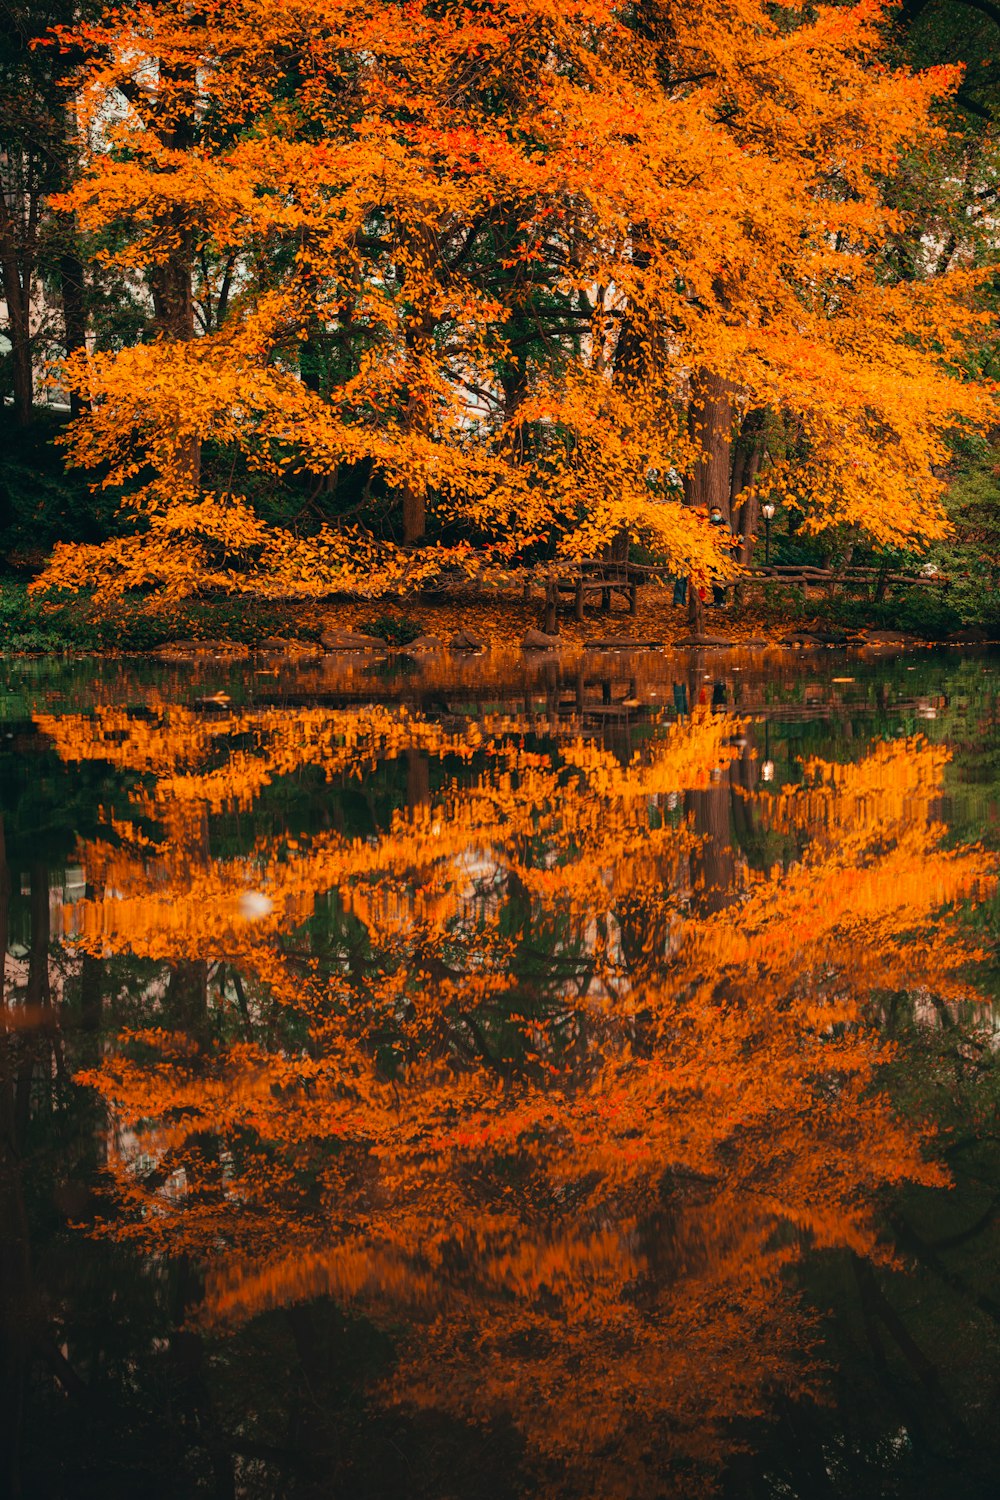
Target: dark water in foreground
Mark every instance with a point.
(489, 1080)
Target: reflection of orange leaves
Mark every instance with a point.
(804, 926)
(501, 1072)
(603, 809)
(282, 742)
(889, 789)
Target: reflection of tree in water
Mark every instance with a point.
(541, 1068)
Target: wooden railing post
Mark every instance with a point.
(550, 607)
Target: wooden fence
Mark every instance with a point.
(595, 576)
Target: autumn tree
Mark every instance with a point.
(504, 276)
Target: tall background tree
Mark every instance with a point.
(37, 157)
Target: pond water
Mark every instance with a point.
(480, 1078)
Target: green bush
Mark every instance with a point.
(142, 625)
(398, 630)
(777, 603)
(31, 624)
(40, 502)
(929, 613)
(67, 622)
(971, 558)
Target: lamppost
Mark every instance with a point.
(767, 511)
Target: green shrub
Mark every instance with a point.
(70, 622)
(928, 612)
(398, 630)
(33, 624)
(971, 558)
(41, 503)
(777, 603)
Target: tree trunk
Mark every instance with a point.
(550, 623)
(173, 308)
(747, 457)
(17, 264)
(696, 609)
(16, 295)
(24, 388)
(710, 424)
(71, 282)
(419, 340)
(617, 548)
(632, 351)
(414, 514)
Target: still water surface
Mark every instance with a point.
(480, 1079)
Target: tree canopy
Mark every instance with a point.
(512, 277)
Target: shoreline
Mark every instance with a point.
(241, 626)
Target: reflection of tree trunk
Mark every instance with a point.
(418, 779)
(187, 998)
(36, 1040)
(743, 776)
(187, 1356)
(6, 1074)
(39, 993)
(712, 862)
(91, 1010)
(14, 1263)
(910, 1241)
(91, 988)
(318, 1333)
(878, 1307)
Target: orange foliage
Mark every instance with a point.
(695, 189)
(506, 1070)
